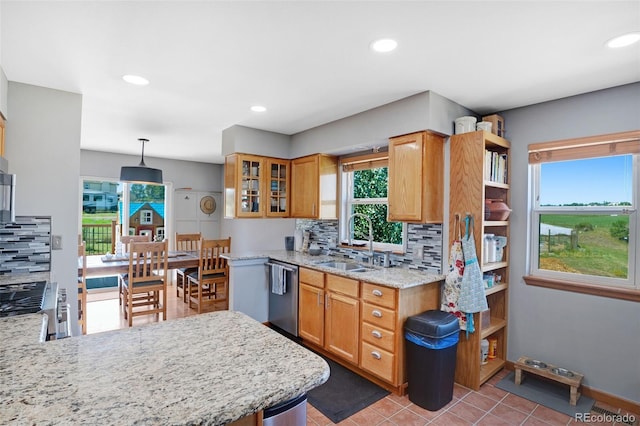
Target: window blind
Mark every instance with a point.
(588, 147)
(364, 162)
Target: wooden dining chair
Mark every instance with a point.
(145, 286)
(209, 286)
(185, 242)
(82, 287)
(126, 241)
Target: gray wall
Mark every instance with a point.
(182, 174)
(374, 127)
(597, 336)
(43, 149)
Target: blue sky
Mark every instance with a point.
(585, 181)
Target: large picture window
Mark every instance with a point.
(364, 189)
(584, 218)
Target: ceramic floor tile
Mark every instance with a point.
(467, 411)
(407, 417)
(450, 419)
(386, 407)
(519, 403)
(509, 414)
(492, 392)
(491, 420)
(550, 416)
(367, 417)
(429, 415)
(480, 401)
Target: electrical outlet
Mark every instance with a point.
(418, 251)
(56, 242)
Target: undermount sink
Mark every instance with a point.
(346, 266)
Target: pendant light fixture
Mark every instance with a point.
(141, 173)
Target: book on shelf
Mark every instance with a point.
(495, 166)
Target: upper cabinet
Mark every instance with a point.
(416, 178)
(255, 186)
(314, 187)
(278, 187)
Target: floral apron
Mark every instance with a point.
(472, 298)
(453, 279)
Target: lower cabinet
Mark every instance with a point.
(329, 313)
(342, 318)
(361, 323)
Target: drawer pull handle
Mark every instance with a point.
(376, 355)
(377, 292)
(376, 334)
(376, 313)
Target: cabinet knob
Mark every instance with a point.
(376, 334)
(376, 313)
(377, 292)
(376, 355)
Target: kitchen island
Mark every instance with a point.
(208, 369)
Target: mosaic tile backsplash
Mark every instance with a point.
(25, 245)
(324, 233)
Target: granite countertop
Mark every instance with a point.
(396, 277)
(209, 369)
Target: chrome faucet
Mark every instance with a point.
(370, 254)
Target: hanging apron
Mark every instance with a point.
(472, 298)
(453, 279)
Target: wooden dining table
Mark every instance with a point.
(100, 265)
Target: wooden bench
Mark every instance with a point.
(551, 372)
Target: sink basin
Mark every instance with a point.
(346, 266)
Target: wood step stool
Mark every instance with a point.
(574, 380)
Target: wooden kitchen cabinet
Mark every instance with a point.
(256, 186)
(361, 323)
(416, 178)
(329, 313)
(471, 183)
(314, 187)
(342, 317)
(311, 306)
(277, 182)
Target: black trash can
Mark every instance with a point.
(431, 344)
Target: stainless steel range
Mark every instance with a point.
(37, 296)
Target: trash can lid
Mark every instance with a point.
(432, 324)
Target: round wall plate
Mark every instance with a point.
(207, 204)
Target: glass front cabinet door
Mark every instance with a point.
(250, 172)
(278, 187)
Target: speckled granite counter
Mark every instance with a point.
(207, 369)
(390, 277)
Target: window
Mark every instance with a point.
(146, 217)
(584, 219)
(160, 234)
(364, 192)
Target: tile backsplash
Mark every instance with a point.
(25, 245)
(425, 236)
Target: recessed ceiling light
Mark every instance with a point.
(624, 40)
(384, 45)
(258, 108)
(135, 79)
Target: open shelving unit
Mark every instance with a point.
(471, 184)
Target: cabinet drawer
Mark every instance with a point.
(378, 361)
(342, 285)
(311, 277)
(378, 336)
(379, 316)
(379, 294)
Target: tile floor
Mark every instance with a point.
(489, 406)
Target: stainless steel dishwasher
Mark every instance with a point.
(289, 413)
(283, 296)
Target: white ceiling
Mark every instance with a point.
(308, 62)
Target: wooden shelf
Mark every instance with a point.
(496, 289)
(490, 368)
(468, 191)
(493, 266)
(494, 223)
(496, 325)
(493, 184)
